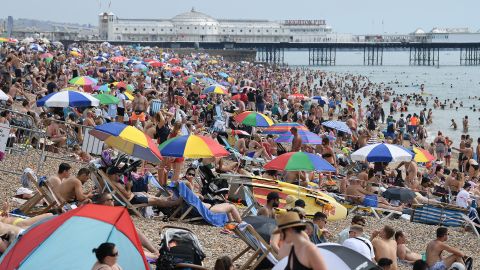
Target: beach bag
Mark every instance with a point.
(370, 200)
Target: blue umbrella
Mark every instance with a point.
(321, 100)
(36, 47)
(382, 152)
(338, 125)
(307, 137)
(223, 75)
(68, 99)
(100, 59)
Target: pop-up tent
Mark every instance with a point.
(66, 241)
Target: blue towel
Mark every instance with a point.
(216, 219)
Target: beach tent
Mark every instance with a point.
(66, 241)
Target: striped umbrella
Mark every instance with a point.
(216, 89)
(83, 80)
(382, 152)
(338, 125)
(36, 47)
(338, 257)
(280, 128)
(307, 137)
(321, 100)
(192, 146)
(100, 59)
(68, 98)
(253, 119)
(422, 155)
(299, 161)
(129, 140)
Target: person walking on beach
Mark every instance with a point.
(465, 124)
(302, 254)
(435, 249)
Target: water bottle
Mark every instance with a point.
(474, 204)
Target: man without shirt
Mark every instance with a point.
(63, 173)
(403, 252)
(385, 246)
(71, 189)
(273, 201)
(435, 249)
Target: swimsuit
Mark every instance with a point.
(297, 265)
(440, 265)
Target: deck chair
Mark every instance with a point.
(192, 202)
(252, 205)
(118, 196)
(57, 198)
(376, 211)
(256, 243)
(29, 208)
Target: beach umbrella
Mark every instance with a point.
(216, 89)
(226, 84)
(253, 119)
(223, 75)
(240, 132)
(299, 161)
(307, 137)
(66, 241)
(75, 54)
(192, 146)
(400, 194)
(422, 155)
(106, 99)
(4, 39)
(36, 47)
(27, 40)
(156, 64)
(382, 152)
(231, 80)
(338, 125)
(298, 96)
(236, 97)
(129, 96)
(338, 257)
(190, 79)
(129, 140)
(3, 96)
(248, 88)
(47, 57)
(140, 67)
(321, 100)
(280, 128)
(100, 59)
(83, 80)
(118, 59)
(174, 61)
(120, 85)
(68, 98)
(102, 88)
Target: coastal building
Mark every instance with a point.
(194, 26)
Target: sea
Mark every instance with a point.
(447, 81)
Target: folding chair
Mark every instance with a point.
(252, 205)
(376, 211)
(40, 195)
(256, 243)
(118, 196)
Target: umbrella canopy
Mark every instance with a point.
(68, 240)
(192, 146)
(106, 99)
(400, 194)
(307, 137)
(253, 119)
(236, 97)
(36, 47)
(103, 88)
(240, 132)
(382, 152)
(100, 59)
(338, 257)
(68, 98)
(155, 64)
(119, 59)
(338, 125)
(263, 225)
(216, 89)
(83, 80)
(321, 100)
(422, 155)
(223, 75)
(174, 61)
(129, 140)
(299, 161)
(298, 96)
(280, 128)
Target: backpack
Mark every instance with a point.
(401, 122)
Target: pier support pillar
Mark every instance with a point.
(322, 56)
(470, 56)
(273, 55)
(373, 55)
(424, 56)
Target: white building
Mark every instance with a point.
(194, 26)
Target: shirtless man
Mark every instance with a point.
(327, 152)
(466, 154)
(63, 173)
(71, 189)
(297, 140)
(139, 107)
(385, 246)
(435, 249)
(114, 173)
(411, 170)
(356, 193)
(403, 252)
(273, 201)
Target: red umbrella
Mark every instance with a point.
(119, 59)
(174, 61)
(236, 97)
(240, 132)
(156, 64)
(298, 96)
(181, 100)
(121, 85)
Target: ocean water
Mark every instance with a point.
(449, 81)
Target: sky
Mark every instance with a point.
(345, 16)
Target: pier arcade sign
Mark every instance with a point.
(304, 22)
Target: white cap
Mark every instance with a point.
(457, 266)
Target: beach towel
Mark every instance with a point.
(216, 219)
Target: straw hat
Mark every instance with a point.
(288, 220)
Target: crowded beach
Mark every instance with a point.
(137, 157)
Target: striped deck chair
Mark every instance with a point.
(252, 205)
(439, 214)
(155, 106)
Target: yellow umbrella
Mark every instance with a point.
(422, 155)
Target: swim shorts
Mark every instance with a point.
(440, 265)
(139, 199)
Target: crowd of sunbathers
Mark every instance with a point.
(282, 93)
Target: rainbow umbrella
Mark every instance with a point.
(129, 140)
(307, 137)
(192, 146)
(299, 161)
(83, 80)
(422, 155)
(216, 89)
(106, 99)
(253, 119)
(128, 95)
(280, 128)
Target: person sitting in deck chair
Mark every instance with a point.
(356, 193)
(71, 189)
(114, 174)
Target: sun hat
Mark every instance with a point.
(288, 220)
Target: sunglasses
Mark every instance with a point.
(114, 254)
(108, 199)
(191, 174)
